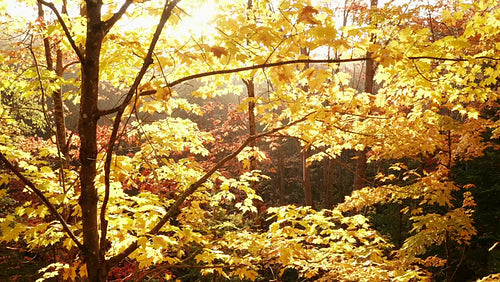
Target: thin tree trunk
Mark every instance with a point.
(306, 173)
(87, 127)
(252, 126)
(360, 175)
(306, 178)
(281, 175)
(59, 114)
(328, 178)
(326, 182)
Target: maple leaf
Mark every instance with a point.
(218, 51)
(163, 93)
(307, 15)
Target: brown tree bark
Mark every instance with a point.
(360, 175)
(58, 112)
(306, 178)
(281, 175)
(252, 126)
(60, 123)
(87, 128)
(361, 165)
(328, 178)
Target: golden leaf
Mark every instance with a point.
(163, 93)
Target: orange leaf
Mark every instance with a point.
(307, 15)
(218, 51)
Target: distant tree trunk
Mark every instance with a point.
(326, 182)
(252, 126)
(328, 179)
(306, 173)
(360, 175)
(306, 179)
(58, 112)
(281, 175)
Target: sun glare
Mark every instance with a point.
(195, 16)
(18, 10)
(191, 19)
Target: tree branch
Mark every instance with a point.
(259, 66)
(167, 11)
(116, 16)
(265, 65)
(65, 28)
(460, 59)
(172, 211)
(299, 61)
(44, 200)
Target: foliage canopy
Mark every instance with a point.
(139, 162)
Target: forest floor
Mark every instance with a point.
(17, 264)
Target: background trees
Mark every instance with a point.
(159, 179)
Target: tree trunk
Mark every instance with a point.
(360, 175)
(306, 179)
(252, 130)
(59, 114)
(281, 175)
(328, 178)
(252, 126)
(87, 126)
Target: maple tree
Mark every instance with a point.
(144, 184)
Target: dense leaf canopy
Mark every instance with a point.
(166, 138)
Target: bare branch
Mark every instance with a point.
(260, 66)
(460, 59)
(65, 28)
(172, 211)
(421, 74)
(44, 200)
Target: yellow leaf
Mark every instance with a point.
(163, 93)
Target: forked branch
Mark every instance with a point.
(172, 211)
(65, 28)
(167, 12)
(116, 16)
